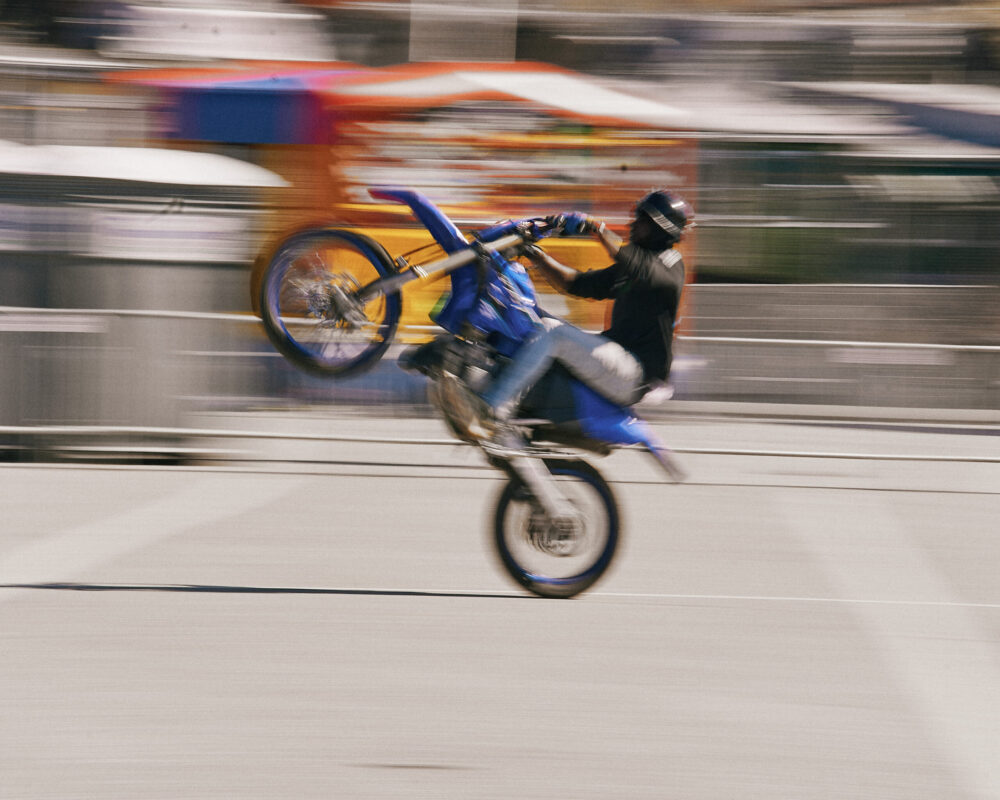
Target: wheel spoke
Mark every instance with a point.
(558, 558)
(312, 314)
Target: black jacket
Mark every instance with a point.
(646, 287)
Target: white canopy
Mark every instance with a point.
(139, 164)
(549, 88)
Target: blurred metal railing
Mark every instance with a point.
(231, 433)
(134, 370)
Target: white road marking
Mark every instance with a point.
(939, 656)
(749, 598)
(73, 551)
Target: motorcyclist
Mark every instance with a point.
(645, 280)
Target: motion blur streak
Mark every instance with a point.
(809, 627)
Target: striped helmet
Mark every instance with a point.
(670, 212)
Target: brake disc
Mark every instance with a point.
(556, 537)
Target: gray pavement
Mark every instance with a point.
(333, 624)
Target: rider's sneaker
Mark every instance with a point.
(506, 437)
(482, 422)
(505, 441)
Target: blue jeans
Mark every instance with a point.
(602, 364)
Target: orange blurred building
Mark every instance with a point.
(484, 141)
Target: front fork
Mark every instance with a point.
(540, 482)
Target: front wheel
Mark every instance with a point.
(558, 558)
(309, 303)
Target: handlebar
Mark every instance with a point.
(530, 229)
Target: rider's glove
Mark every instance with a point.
(575, 222)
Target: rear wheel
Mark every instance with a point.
(557, 558)
(309, 303)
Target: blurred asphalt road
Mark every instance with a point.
(334, 626)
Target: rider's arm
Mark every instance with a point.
(557, 274)
(611, 241)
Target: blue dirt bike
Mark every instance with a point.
(331, 304)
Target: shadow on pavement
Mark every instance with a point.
(154, 587)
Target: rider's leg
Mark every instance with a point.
(602, 364)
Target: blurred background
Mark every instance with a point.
(843, 159)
